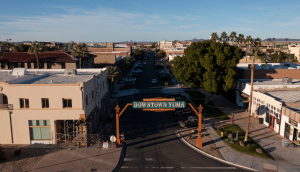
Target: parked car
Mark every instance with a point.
(138, 71)
(126, 86)
(130, 79)
(154, 81)
(136, 75)
(186, 111)
(165, 77)
(159, 67)
(191, 121)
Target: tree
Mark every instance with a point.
(153, 45)
(249, 41)
(232, 36)
(257, 42)
(274, 43)
(208, 64)
(36, 49)
(224, 36)
(241, 39)
(214, 36)
(278, 57)
(112, 71)
(161, 54)
(138, 52)
(79, 51)
(22, 48)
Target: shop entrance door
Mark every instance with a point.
(272, 122)
(295, 134)
(287, 131)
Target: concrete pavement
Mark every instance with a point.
(286, 159)
(80, 159)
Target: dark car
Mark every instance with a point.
(126, 86)
(136, 75)
(165, 77)
(186, 111)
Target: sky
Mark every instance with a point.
(151, 20)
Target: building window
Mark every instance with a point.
(67, 103)
(86, 100)
(2, 65)
(48, 65)
(39, 130)
(42, 65)
(45, 103)
(28, 65)
(22, 64)
(24, 103)
(35, 65)
(63, 65)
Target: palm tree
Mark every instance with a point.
(214, 36)
(112, 71)
(232, 36)
(79, 51)
(249, 41)
(224, 36)
(257, 42)
(241, 39)
(274, 43)
(37, 50)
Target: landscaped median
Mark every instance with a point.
(249, 148)
(211, 110)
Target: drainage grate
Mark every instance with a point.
(177, 167)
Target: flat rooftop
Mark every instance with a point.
(259, 66)
(270, 82)
(49, 76)
(285, 96)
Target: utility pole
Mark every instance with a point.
(252, 67)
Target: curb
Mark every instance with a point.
(122, 156)
(208, 155)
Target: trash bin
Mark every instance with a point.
(261, 120)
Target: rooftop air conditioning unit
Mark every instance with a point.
(287, 80)
(70, 72)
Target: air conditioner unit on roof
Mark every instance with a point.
(70, 72)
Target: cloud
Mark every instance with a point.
(98, 24)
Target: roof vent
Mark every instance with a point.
(19, 71)
(70, 72)
(287, 80)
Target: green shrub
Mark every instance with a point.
(2, 155)
(17, 151)
(212, 148)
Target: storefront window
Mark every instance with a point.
(39, 129)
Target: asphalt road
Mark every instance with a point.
(152, 144)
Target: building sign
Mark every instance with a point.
(293, 122)
(98, 92)
(158, 104)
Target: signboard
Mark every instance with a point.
(166, 84)
(105, 145)
(122, 137)
(112, 138)
(158, 104)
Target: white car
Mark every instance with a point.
(154, 81)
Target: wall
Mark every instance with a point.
(259, 108)
(248, 60)
(109, 59)
(57, 65)
(284, 121)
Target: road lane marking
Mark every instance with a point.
(200, 168)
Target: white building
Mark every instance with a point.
(295, 49)
(36, 104)
(163, 44)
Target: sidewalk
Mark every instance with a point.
(80, 159)
(286, 159)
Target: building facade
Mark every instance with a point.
(37, 104)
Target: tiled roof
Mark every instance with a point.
(53, 56)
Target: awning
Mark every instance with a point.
(291, 114)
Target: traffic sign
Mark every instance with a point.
(105, 145)
(112, 138)
(166, 84)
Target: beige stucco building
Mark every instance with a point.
(34, 102)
